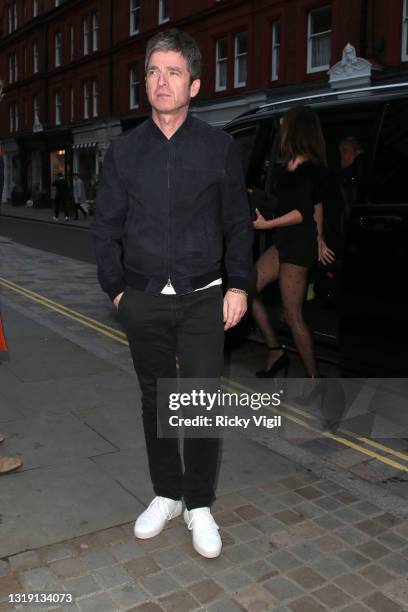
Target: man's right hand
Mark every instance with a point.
(117, 299)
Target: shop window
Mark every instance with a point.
(319, 39)
(134, 17)
(241, 59)
(221, 64)
(134, 87)
(275, 50)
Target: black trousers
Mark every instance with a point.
(78, 206)
(58, 204)
(159, 328)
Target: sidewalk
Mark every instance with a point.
(41, 214)
(294, 538)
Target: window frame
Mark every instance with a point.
(218, 62)
(85, 34)
(275, 50)
(134, 15)
(95, 98)
(58, 108)
(163, 8)
(71, 41)
(237, 56)
(11, 68)
(85, 90)
(36, 58)
(16, 118)
(36, 8)
(310, 37)
(57, 49)
(36, 107)
(95, 31)
(134, 85)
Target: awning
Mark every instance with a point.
(84, 145)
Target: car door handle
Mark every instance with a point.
(377, 223)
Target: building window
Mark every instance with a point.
(36, 108)
(95, 98)
(86, 35)
(241, 59)
(25, 60)
(11, 118)
(134, 88)
(58, 45)
(36, 8)
(163, 11)
(58, 2)
(275, 50)
(319, 39)
(221, 64)
(16, 118)
(71, 41)
(58, 105)
(15, 15)
(36, 57)
(134, 17)
(72, 103)
(86, 100)
(10, 27)
(11, 68)
(95, 31)
(404, 52)
(15, 67)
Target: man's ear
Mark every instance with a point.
(195, 87)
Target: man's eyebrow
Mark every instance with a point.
(174, 68)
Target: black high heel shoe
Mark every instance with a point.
(282, 363)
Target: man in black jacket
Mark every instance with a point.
(171, 208)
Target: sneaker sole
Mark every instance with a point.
(151, 534)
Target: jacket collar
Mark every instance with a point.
(156, 131)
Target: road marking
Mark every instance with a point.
(119, 336)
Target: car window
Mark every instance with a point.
(390, 171)
(245, 137)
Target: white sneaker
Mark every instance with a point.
(206, 539)
(153, 520)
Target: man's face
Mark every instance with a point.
(348, 153)
(168, 82)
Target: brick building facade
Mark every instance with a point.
(73, 70)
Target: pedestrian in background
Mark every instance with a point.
(61, 196)
(171, 192)
(79, 196)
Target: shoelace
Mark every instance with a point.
(158, 507)
(207, 523)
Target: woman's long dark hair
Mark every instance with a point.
(301, 134)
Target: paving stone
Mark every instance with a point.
(180, 601)
(82, 586)
(290, 499)
(39, 579)
(233, 580)
(352, 559)
(345, 497)
(8, 584)
(141, 566)
(370, 527)
(354, 585)
(25, 560)
(206, 590)
(239, 553)
(97, 559)
(306, 577)
(328, 522)
(260, 570)
(267, 524)
(402, 528)
(227, 518)
(306, 552)
(331, 596)
(127, 550)
(329, 486)
(187, 572)
(328, 503)
(231, 500)
(98, 603)
(351, 535)
(372, 549)
(159, 584)
(306, 604)
(329, 567)
(398, 590)
(213, 567)
(367, 508)
(256, 599)
(309, 510)
(147, 607)
(288, 517)
(377, 575)
(248, 512)
(225, 605)
(58, 553)
(389, 520)
(291, 482)
(111, 536)
(169, 557)
(128, 595)
(175, 535)
(282, 589)
(395, 563)
(4, 568)
(113, 576)
(310, 492)
(355, 607)
(380, 603)
(329, 544)
(153, 544)
(392, 540)
(283, 560)
(244, 532)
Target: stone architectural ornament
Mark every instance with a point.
(351, 71)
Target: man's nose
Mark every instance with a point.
(162, 79)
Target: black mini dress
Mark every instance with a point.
(298, 189)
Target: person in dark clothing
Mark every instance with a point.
(61, 196)
(352, 173)
(171, 191)
(298, 238)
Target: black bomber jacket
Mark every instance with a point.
(172, 209)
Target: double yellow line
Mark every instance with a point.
(291, 413)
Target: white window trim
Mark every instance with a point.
(86, 100)
(36, 8)
(95, 31)
(58, 109)
(95, 98)
(310, 37)
(404, 46)
(275, 46)
(218, 61)
(134, 10)
(133, 100)
(58, 49)
(85, 29)
(236, 56)
(161, 11)
(36, 58)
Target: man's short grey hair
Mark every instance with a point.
(176, 40)
(354, 141)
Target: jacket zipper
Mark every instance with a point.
(168, 234)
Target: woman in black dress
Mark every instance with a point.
(298, 236)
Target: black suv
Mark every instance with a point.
(359, 306)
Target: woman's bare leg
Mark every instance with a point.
(292, 282)
(267, 271)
